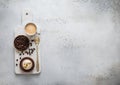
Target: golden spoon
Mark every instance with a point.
(37, 41)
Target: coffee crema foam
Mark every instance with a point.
(30, 29)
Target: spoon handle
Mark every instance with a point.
(37, 60)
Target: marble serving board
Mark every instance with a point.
(27, 53)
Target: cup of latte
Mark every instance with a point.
(30, 29)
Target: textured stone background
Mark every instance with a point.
(80, 41)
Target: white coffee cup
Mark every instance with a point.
(30, 29)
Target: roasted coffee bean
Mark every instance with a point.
(32, 40)
(16, 64)
(29, 52)
(30, 44)
(16, 59)
(20, 54)
(26, 52)
(33, 48)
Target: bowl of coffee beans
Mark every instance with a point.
(21, 42)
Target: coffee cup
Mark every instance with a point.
(30, 29)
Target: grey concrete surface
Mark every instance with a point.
(80, 41)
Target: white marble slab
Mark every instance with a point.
(20, 31)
